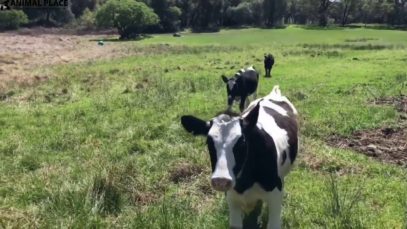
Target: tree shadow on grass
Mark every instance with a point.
(378, 26)
(274, 27)
(316, 27)
(354, 26)
(139, 38)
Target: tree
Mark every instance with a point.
(206, 15)
(186, 7)
(168, 13)
(257, 10)
(346, 9)
(377, 11)
(12, 19)
(302, 11)
(400, 12)
(240, 15)
(343, 10)
(247, 12)
(171, 19)
(128, 16)
(78, 6)
(322, 12)
(274, 11)
(48, 16)
(86, 21)
(291, 11)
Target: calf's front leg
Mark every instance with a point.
(230, 102)
(235, 214)
(275, 202)
(242, 103)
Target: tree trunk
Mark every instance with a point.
(269, 11)
(399, 9)
(323, 21)
(323, 7)
(48, 16)
(345, 14)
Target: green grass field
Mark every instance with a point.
(100, 144)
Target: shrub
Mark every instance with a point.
(172, 21)
(105, 196)
(78, 7)
(168, 13)
(29, 163)
(128, 16)
(241, 14)
(86, 21)
(12, 19)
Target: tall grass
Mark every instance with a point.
(343, 204)
(100, 145)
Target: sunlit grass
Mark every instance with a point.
(99, 144)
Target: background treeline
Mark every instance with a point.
(206, 15)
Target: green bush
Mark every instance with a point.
(86, 21)
(172, 19)
(12, 19)
(128, 16)
(241, 14)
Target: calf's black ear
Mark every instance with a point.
(224, 78)
(194, 125)
(250, 121)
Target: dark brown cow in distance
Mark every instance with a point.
(268, 64)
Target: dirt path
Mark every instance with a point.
(388, 144)
(22, 53)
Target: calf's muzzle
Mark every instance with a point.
(221, 184)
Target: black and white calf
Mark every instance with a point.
(240, 86)
(251, 154)
(268, 64)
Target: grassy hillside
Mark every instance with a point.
(100, 144)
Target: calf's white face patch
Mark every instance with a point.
(225, 132)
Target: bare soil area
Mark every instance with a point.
(399, 102)
(184, 172)
(388, 144)
(23, 53)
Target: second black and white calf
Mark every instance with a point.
(241, 85)
(251, 154)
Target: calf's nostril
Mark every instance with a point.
(221, 184)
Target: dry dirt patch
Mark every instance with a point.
(184, 172)
(388, 144)
(22, 53)
(399, 102)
